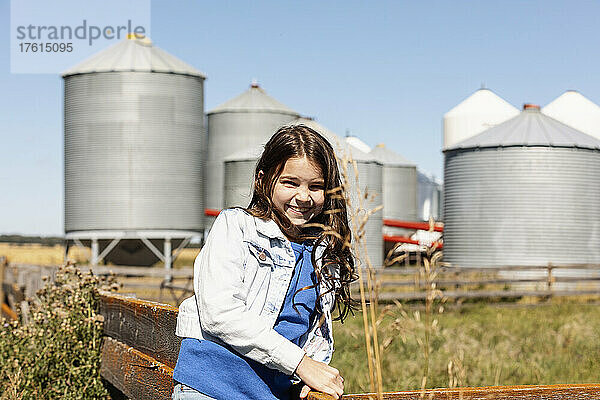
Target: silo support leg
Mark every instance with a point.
(66, 255)
(168, 259)
(109, 248)
(153, 249)
(166, 256)
(184, 243)
(94, 260)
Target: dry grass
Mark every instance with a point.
(361, 205)
(185, 258)
(38, 254)
(479, 345)
(41, 255)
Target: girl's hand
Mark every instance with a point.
(320, 376)
(304, 391)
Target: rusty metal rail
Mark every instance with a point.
(543, 392)
(140, 351)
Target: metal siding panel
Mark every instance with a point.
(522, 206)
(426, 193)
(400, 193)
(239, 176)
(134, 151)
(370, 179)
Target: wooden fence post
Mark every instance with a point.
(3, 263)
(550, 278)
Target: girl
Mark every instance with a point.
(267, 280)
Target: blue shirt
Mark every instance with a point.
(219, 372)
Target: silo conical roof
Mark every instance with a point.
(530, 128)
(255, 99)
(249, 153)
(132, 54)
(576, 110)
(254, 152)
(389, 157)
(480, 111)
(359, 144)
(481, 102)
(337, 142)
(335, 139)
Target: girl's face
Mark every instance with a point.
(299, 191)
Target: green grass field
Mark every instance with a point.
(487, 345)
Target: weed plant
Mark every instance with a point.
(56, 353)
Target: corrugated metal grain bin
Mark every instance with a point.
(526, 192)
(399, 184)
(478, 112)
(429, 192)
(370, 181)
(134, 143)
(243, 122)
(239, 176)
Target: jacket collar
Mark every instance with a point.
(269, 228)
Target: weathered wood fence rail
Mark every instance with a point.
(140, 351)
(396, 283)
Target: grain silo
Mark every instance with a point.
(525, 192)
(480, 111)
(369, 172)
(134, 141)
(239, 176)
(574, 109)
(429, 192)
(399, 184)
(243, 122)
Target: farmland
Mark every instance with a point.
(38, 254)
(471, 345)
(479, 345)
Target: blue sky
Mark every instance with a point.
(384, 71)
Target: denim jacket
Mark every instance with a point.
(241, 278)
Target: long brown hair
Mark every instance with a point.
(331, 227)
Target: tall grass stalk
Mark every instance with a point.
(427, 324)
(429, 270)
(360, 208)
(359, 215)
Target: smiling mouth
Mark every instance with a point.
(299, 210)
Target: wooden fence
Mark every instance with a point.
(396, 283)
(492, 283)
(140, 351)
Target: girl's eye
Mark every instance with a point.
(316, 187)
(289, 183)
